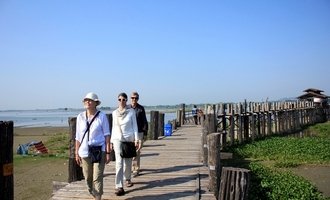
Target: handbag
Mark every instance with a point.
(128, 150)
(95, 153)
(112, 155)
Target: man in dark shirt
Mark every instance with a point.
(142, 129)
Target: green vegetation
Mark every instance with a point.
(267, 158)
(268, 183)
(308, 150)
(58, 145)
(31, 160)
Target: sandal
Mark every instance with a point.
(129, 183)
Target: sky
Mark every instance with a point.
(52, 53)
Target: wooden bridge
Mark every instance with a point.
(171, 169)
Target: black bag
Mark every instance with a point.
(112, 155)
(128, 150)
(95, 153)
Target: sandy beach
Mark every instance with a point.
(34, 175)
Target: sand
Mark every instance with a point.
(34, 179)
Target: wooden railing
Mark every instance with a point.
(230, 124)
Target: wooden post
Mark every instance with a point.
(246, 128)
(179, 117)
(210, 122)
(232, 127)
(234, 183)
(224, 127)
(213, 140)
(112, 153)
(153, 130)
(75, 171)
(6, 160)
(173, 122)
(202, 118)
(161, 124)
(204, 148)
(183, 114)
(253, 126)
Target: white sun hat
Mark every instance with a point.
(93, 97)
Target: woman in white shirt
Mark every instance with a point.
(124, 129)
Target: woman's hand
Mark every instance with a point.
(138, 144)
(107, 158)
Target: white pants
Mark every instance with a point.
(123, 166)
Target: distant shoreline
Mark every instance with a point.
(56, 118)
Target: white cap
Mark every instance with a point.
(93, 97)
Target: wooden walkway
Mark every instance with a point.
(171, 169)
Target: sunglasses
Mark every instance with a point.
(121, 99)
(135, 98)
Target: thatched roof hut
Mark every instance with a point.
(315, 95)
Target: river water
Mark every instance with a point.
(51, 117)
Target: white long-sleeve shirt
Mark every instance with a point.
(127, 125)
(97, 132)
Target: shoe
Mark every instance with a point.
(129, 183)
(119, 191)
(136, 173)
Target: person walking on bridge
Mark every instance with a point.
(194, 112)
(92, 129)
(142, 130)
(124, 129)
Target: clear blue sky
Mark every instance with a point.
(52, 52)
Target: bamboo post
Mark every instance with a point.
(6, 160)
(234, 183)
(213, 140)
(75, 171)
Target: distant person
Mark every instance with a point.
(92, 129)
(142, 123)
(194, 114)
(200, 115)
(124, 129)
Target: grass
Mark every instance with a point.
(34, 173)
(267, 158)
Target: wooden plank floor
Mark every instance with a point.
(171, 169)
